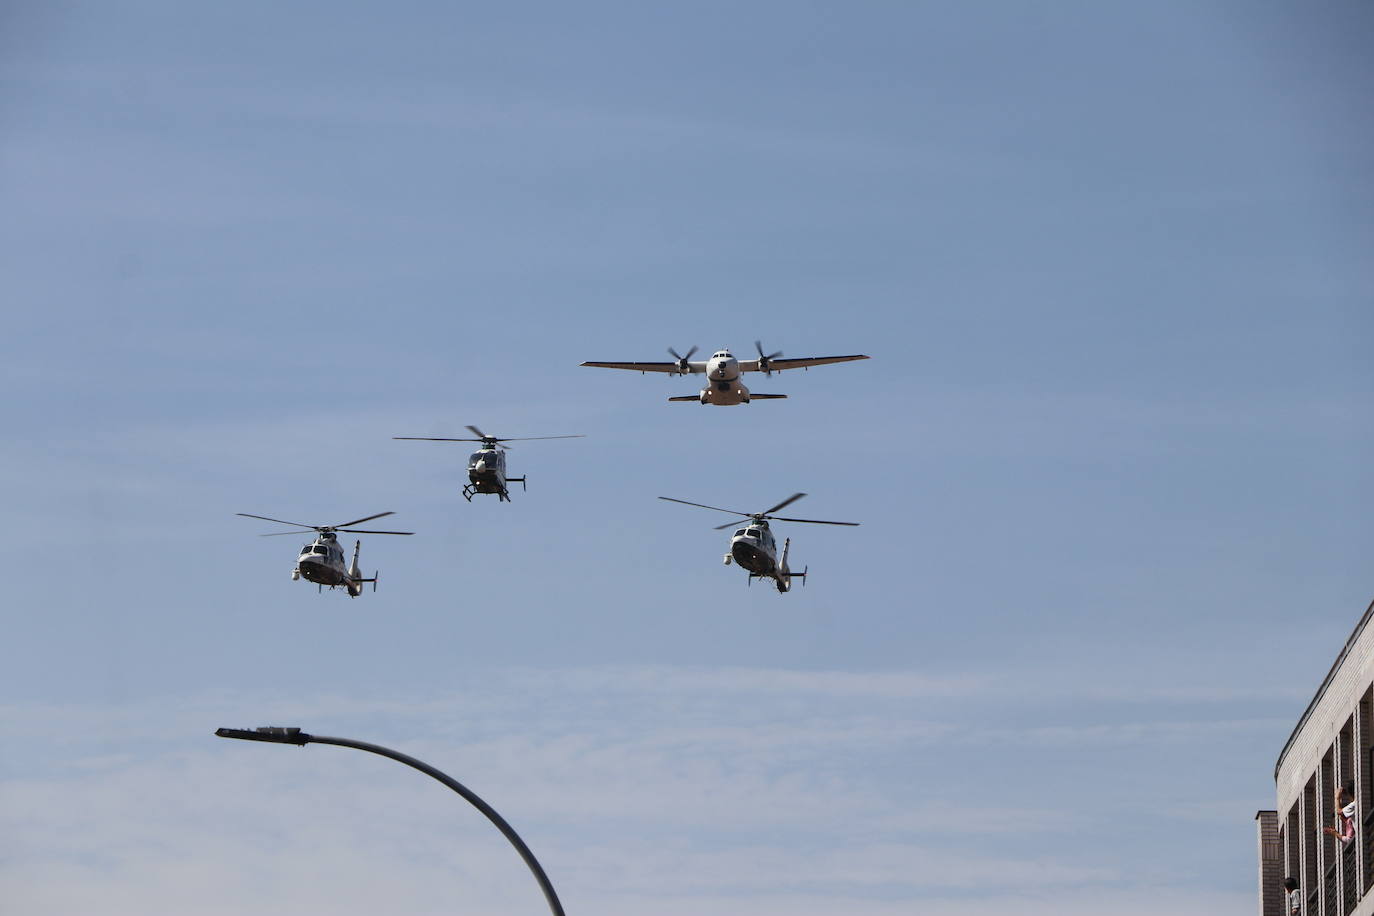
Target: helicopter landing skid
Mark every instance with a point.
(503, 494)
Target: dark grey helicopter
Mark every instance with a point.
(487, 465)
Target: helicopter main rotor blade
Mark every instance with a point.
(704, 506)
(370, 531)
(280, 522)
(432, 439)
(812, 521)
(532, 438)
(729, 525)
(487, 441)
(786, 502)
(359, 521)
(277, 534)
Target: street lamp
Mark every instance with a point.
(275, 734)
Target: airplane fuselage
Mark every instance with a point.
(722, 367)
(723, 385)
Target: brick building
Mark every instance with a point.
(1332, 745)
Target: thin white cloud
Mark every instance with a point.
(728, 791)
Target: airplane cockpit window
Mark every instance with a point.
(739, 533)
(753, 532)
(320, 550)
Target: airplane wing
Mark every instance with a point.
(670, 368)
(779, 364)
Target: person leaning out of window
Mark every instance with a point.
(1345, 819)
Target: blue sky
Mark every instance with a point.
(1110, 454)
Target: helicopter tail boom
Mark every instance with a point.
(785, 575)
(355, 574)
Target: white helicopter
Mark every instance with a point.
(487, 465)
(753, 547)
(322, 560)
(723, 372)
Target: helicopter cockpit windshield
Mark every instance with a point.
(478, 456)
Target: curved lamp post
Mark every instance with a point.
(278, 735)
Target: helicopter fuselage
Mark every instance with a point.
(322, 562)
(487, 465)
(752, 545)
(487, 474)
(753, 548)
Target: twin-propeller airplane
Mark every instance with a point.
(723, 372)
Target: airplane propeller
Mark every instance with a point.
(765, 362)
(682, 367)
